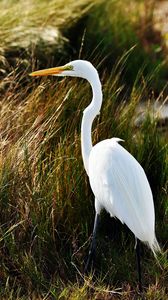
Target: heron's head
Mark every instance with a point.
(76, 68)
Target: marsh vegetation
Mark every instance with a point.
(46, 205)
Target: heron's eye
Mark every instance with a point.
(69, 68)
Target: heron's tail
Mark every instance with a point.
(154, 245)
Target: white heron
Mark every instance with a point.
(118, 181)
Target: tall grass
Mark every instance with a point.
(111, 28)
(46, 204)
(55, 33)
(23, 22)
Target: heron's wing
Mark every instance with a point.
(121, 187)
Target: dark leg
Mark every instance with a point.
(93, 244)
(138, 254)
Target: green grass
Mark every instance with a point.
(96, 30)
(46, 204)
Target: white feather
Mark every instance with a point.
(118, 181)
(121, 187)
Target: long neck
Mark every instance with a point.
(88, 116)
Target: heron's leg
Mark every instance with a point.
(138, 255)
(93, 243)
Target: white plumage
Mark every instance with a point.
(120, 186)
(118, 181)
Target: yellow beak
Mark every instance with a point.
(51, 71)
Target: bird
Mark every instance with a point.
(118, 181)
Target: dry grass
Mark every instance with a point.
(46, 205)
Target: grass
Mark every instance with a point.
(47, 207)
(110, 28)
(46, 203)
(25, 21)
